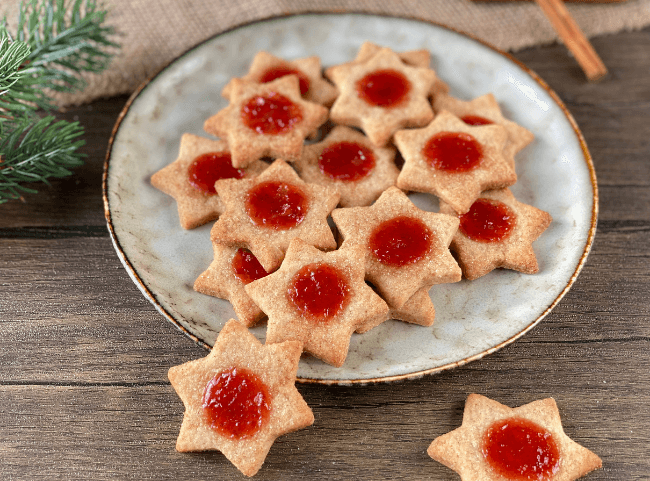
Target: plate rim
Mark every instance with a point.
(412, 375)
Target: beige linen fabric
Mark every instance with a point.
(153, 32)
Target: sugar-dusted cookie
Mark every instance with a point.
(266, 67)
(231, 269)
(190, 178)
(406, 248)
(497, 443)
(381, 95)
(263, 214)
(416, 58)
(453, 160)
(268, 119)
(240, 397)
(318, 298)
(497, 231)
(347, 161)
(485, 110)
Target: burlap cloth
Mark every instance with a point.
(153, 32)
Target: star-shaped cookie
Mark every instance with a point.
(265, 213)
(268, 119)
(453, 160)
(416, 58)
(243, 425)
(381, 95)
(347, 161)
(406, 248)
(190, 178)
(475, 451)
(231, 269)
(418, 309)
(492, 236)
(266, 67)
(318, 298)
(482, 111)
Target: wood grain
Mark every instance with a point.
(83, 387)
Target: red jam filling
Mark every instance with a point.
(400, 241)
(282, 71)
(319, 291)
(277, 205)
(347, 161)
(521, 450)
(487, 221)
(237, 403)
(246, 266)
(475, 120)
(384, 88)
(453, 152)
(206, 169)
(270, 114)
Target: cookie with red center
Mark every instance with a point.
(265, 213)
(453, 160)
(266, 67)
(496, 442)
(190, 178)
(347, 161)
(485, 110)
(240, 397)
(406, 248)
(318, 298)
(381, 95)
(231, 269)
(269, 119)
(416, 58)
(497, 231)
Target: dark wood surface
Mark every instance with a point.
(84, 356)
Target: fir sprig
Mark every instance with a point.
(55, 42)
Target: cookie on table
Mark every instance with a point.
(381, 95)
(266, 67)
(190, 178)
(265, 213)
(406, 248)
(454, 161)
(231, 269)
(347, 161)
(416, 58)
(497, 231)
(240, 397)
(485, 110)
(269, 119)
(318, 298)
(496, 442)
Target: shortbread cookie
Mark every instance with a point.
(347, 161)
(381, 95)
(485, 110)
(265, 213)
(495, 443)
(497, 231)
(231, 269)
(416, 58)
(406, 248)
(418, 309)
(266, 67)
(268, 119)
(453, 160)
(318, 298)
(240, 397)
(190, 178)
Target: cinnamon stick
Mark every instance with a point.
(573, 38)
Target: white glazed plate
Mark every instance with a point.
(472, 318)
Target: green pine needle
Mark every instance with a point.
(54, 43)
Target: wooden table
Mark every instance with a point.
(83, 385)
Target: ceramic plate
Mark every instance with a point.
(472, 318)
